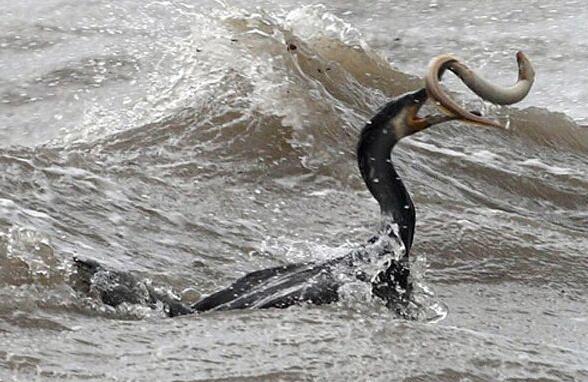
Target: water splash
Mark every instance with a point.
(28, 257)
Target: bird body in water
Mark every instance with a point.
(382, 263)
(316, 282)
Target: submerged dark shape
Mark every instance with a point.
(382, 263)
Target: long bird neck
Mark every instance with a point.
(378, 137)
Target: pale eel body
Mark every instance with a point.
(490, 92)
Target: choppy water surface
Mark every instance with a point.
(183, 141)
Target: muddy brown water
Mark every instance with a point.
(185, 142)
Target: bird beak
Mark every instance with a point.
(413, 121)
(416, 123)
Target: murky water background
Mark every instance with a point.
(183, 141)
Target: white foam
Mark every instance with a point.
(536, 163)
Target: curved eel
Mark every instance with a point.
(490, 92)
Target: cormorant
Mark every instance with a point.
(382, 263)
